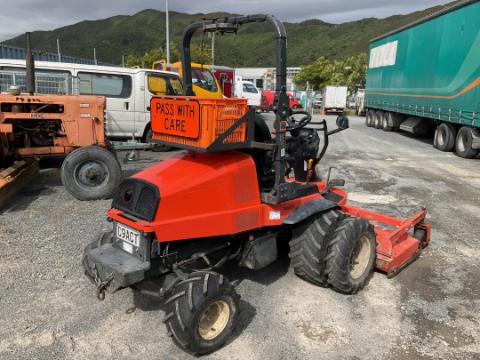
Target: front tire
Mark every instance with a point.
(91, 173)
(201, 312)
(309, 246)
(351, 255)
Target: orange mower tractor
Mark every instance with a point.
(233, 197)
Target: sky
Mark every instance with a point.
(19, 16)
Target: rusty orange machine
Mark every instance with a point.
(34, 126)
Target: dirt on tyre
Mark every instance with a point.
(91, 173)
(309, 246)
(201, 312)
(351, 255)
(444, 139)
(464, 143)
(156, 147)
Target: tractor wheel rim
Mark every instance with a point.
(214, 320)
(360, 257)
(91, 174)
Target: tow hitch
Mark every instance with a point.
(102, 285)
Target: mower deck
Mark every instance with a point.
(396, 248)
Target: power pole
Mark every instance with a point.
(213, 48)
(58, 51)
(167, 31)
(95, 56)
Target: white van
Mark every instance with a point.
(247, 90)
(128, 91)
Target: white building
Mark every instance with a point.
(264, 78)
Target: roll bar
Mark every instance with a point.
(231, 25)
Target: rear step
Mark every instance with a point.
(15, 178)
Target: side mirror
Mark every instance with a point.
(342, 122)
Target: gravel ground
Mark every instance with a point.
(48, 308)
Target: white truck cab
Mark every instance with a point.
(127, 90)
(247, 90)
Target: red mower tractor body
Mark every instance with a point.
(217, 194)
(234, 197)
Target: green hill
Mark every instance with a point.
(253, 46)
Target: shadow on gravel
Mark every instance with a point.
(43, 185)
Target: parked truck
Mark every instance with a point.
(247, 90)
(226, 78)
(335, 99)
(426, 76)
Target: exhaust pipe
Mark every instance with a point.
(30, 67)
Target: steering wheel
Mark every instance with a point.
(304, 121)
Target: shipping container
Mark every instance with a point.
(426, 76)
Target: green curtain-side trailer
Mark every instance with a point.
(429, 69)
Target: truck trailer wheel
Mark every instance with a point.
(463, 145)
(387, 120)
(378, 119)
(201, 312)
(351, 255)
(308, 247)
(91, 173)
(370, 118)
(444, 139)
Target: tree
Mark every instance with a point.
(146, 60)
(348, 72)
(202, 53)
(318, 74)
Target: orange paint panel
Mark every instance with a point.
(176, 117)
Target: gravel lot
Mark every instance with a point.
(48, 308)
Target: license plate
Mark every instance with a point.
(128, 235)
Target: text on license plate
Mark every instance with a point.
(129, 235)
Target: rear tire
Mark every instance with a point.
(351, 255)
(91, 173)
(444, 139)
(309, 246)
(201, 312)
(156, 147)
(463, 144)
(378, 120)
